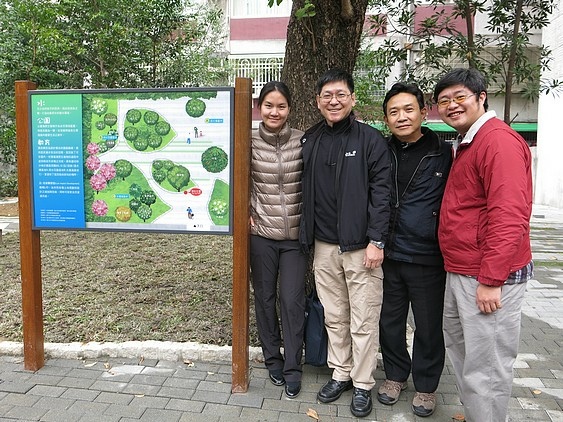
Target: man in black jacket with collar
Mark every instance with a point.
(413, 267)
(345, 215)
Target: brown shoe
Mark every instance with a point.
(423, 404)
(390, 391)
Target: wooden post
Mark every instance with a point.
(241, 240)
(30, 244)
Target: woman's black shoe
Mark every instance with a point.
(292, 389)
(277, 379)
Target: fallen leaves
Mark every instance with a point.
(312, 413)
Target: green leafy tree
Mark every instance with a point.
(99, 106)
(141, 143)
(167, 164)
(134, 204)
(105, 44)
(150, 117)
(28, 53)
(157, 164)
(154, 141)
(195, 107)
(123, 168)
(144, 212)
(135, 190)
(130, 133)
(159, 176)
(103, 147)
(162, 128)
(427, 48)
(133, 116)
(179, 177)
(110, 119)
(148, 197)
(214, 159)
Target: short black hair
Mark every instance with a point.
(274, 86)
(399, 88)
(468, 77)
(335, 75)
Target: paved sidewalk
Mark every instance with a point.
(124, 389)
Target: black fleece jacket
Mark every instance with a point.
(361, 185)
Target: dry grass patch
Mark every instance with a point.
(105, 286)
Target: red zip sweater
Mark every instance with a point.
(485, 215)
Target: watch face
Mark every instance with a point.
(377, 244)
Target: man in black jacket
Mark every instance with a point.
(413, 267)
(345, 216)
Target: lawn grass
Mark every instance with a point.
(115, 286)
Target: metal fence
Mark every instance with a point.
(259, 69)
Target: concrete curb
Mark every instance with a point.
(160, 350)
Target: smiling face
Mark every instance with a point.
(274, 111)
(461, 116)
(404, 117)
(335, 110)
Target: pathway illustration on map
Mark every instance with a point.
(157, 160)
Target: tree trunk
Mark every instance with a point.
(315, 44)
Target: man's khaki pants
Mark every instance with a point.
(351, 295)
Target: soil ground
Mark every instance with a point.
(9, 209)
(116, 286)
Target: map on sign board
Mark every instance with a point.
(132, 159)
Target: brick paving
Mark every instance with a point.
(155, 390)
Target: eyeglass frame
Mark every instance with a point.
(458, 99)
(340, 97)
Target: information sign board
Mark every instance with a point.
(132, 159)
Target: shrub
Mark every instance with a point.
(8, 184)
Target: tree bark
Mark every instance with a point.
(315, 44)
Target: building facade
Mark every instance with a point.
(256, 48)
(548, 184)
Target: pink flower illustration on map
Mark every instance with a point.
(92, 148)
(93, 163)
(99, 207)
(107, 170)
(98, 182)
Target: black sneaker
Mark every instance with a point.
(361, 403)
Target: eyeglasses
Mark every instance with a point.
(445, 102)
(340, 97)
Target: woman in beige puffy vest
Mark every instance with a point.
(274, 247)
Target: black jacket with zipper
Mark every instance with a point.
(413, 225)
(361, 185)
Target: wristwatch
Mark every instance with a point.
(378, 244)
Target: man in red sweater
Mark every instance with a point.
(484, 237)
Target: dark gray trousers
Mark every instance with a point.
(268, 258)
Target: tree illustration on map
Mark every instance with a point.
(138, 167)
